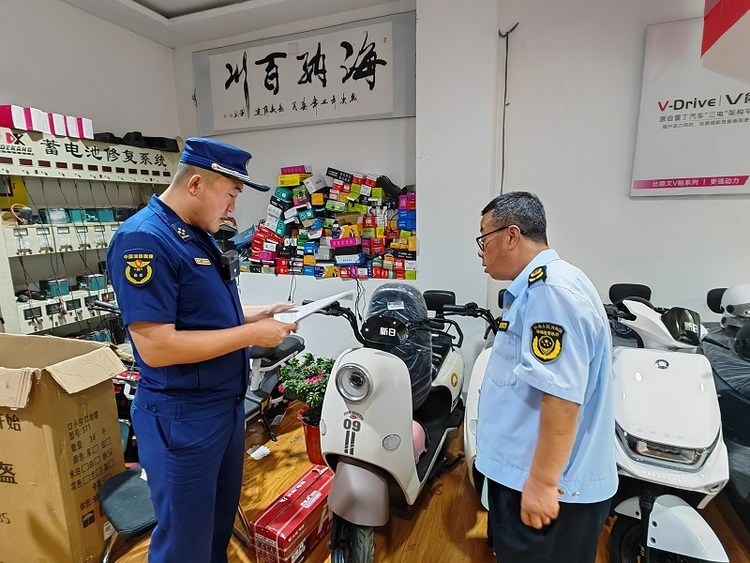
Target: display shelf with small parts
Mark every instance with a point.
(61, 201)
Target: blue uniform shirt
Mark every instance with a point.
(165, 271)
(554, 338)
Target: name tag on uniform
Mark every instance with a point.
(202, 261)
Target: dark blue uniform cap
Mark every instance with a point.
(219, 157)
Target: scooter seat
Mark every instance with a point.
(290, 345)
(253, 399)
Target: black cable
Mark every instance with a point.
(132, 195)
(506, 37)
(46, 205)
(27, 277)
(360, 298)
(82, 251)
(8, 189)
(106, 194)
(62, 191)
(99, 220)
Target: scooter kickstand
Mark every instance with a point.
(267, 428)
(444, 465)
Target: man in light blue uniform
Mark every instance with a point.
(545, 434)
(190, 334)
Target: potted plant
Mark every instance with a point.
(305, 380)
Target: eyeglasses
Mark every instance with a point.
(480, 238)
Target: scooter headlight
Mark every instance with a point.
(663, 455)
(353, 382)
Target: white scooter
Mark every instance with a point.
(384, 403)
(476, 479)
(262, 393)
(669, 446)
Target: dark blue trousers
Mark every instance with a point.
(193, 455)
(571, 538)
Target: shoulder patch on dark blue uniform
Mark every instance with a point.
(537, 274)
(138, 268)
(546, 341)
(181, 231)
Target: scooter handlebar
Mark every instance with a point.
(335, 309)
(471, 309)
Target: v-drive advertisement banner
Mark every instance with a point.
(694, 123)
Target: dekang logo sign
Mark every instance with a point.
(14, 138)
(14, 144)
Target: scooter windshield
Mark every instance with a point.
(683, 325)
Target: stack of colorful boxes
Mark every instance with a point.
(348, 228)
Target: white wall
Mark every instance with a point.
(376, 146)
(574, 89)
(574, 92)
(58, 58)
(448, 151)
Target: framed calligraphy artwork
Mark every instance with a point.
(355, 71)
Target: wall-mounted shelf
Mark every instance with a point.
(87, 183)
(28, 153)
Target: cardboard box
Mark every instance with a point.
(57, 124)
(13, 117)
(291, 180)
(293, 524)
(297, 169)
(314, 183)
(59, 441)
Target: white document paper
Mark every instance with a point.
(299, 313)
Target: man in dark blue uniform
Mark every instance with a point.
(190, 335)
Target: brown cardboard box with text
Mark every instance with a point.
(59, 441)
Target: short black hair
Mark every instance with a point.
(523, 209)
(185, 171)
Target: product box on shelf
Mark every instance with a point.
(92, 282)
(55, 287)
(24, 118)
(57, 124)
(79, 127)
(291, 180)
(314, 183)
(297, 169)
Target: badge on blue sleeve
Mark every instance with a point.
(538, 274)
(138, 268)
(546, 341)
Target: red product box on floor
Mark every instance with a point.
(293, 524)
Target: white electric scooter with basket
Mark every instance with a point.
(388, 409)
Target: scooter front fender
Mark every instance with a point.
(359, 495)
(676, 527)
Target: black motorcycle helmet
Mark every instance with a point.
(742, 342)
